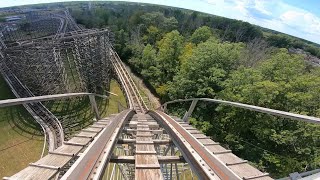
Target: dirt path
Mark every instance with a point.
(155, 102)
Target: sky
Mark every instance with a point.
(300, 18)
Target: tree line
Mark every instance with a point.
(186, 54)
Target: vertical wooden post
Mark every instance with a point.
(94, 106)
(191, 108)
(164, 108)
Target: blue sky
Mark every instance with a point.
(299, 18)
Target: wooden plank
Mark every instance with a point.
(54, 160)
(246, 171)
(161, 159)
(146, 161)
(86, 134)
(97, 126)
(35, 173)
(123, 159)
(155, 141)
(145, 152)
(171, 159)
(69, 149)
(102, 123)
(91, 129)
(200, 136)
(148, 174)
(147, 166)
(78, 141)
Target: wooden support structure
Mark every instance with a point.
(161, 159)
(146, 160)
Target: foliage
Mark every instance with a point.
(201, 34)
(158, 19)
(282, 82)
(285, 41)
(205, 70)
(185, 54)
(169, 51)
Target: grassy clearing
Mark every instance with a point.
(76, 113)
(21, 139)
(113, 101)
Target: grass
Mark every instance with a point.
(114, 100)
(76, 113)
(21, 139)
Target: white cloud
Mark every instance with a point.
(306, 21)
(261, 7)
(274, 14)
(215, 2)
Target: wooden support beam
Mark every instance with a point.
(134, 131)
(147, 166)
(161, 159)
(94, 106)
(75, 144)
(171, 159)
(155, 141)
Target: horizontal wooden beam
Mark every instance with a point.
(162, 159)
(171, 159)
(133, 141)
(134, 131)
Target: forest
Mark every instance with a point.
(184, 54)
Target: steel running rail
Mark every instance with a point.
(216, 163)
(209, 167)
(134, 97)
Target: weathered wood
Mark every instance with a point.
(161, 159)
(146, 161)
(155, 141)
(60, 153)
(48, 166)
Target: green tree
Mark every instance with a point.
(278, 145)
(149, 63)
(279, 40)
(205, 70)
(121, 39)
(153, 34)
(186, 53)
(158, 19)
(170, 47)
(201, 34)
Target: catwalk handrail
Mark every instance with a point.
(285, 114)
(18, 101)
